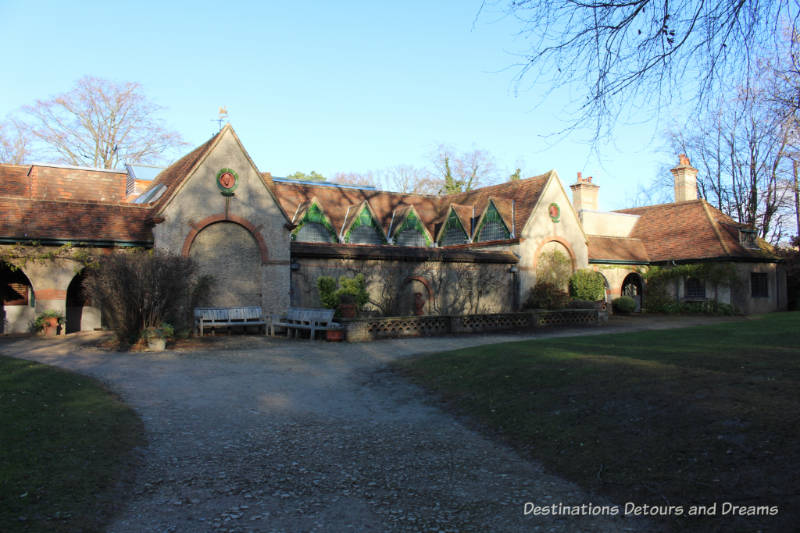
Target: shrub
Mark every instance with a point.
(164, 331)
(348, 290)
(624, 305)
(546, 295)
(587, 284)
(144, 289)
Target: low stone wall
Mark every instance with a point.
(367, 329)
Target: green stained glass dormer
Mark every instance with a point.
(364, 230)
(492, 227)
(411, 232)
(453, 232)
(314, 227)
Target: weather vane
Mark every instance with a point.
(222, 116)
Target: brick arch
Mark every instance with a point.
(560, 240)
(197, 227)
(424, 281)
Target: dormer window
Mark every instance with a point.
(747, 238)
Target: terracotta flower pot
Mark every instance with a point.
(50, 326)
(334, 335)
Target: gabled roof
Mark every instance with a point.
(689, 230)
(352, 214)
(524, 192)
(172, 176)
(14, 180)
(504, 208)
(401, 215)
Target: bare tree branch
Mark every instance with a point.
(99, 123)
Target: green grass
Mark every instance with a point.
(65, 444)
(686, 416)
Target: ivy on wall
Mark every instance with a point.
(18, 255)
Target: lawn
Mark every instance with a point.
(65, 449)
(682, 417)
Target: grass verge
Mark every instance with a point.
(682, 417)
(65, 448)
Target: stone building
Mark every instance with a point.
(266, 240)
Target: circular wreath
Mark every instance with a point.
(224, 177)
(555, 212)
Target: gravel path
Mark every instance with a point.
(268, 434)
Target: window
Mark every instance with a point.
(313, 232)
(453, 231)
(759, 286)
(365, 235)
(492, 228)
(410, 237)
(695, 289)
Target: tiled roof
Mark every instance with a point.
(525, 194)
(689, 231)
(57, 182)
(74, 221)
(432, 210)
(14, 180)
(334, 202)
(602, 248)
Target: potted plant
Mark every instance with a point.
(157, 336)
(48, 322)
(347, 295)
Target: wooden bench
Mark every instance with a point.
(213, 317)
(301, 318)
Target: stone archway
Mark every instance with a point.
(230, 253)
(80, 315)
(633, 286)
(18, 300)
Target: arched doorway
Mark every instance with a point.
(229, 252)
(633, 286)
(81, 315)
(19, 302)
(606, 292)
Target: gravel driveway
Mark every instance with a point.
(268, 434)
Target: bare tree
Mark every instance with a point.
(367, 179)
(464, 171)
(99, 123)
(14, 145)
(741, 149)
(625, 52)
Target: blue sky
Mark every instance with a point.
(325, 86)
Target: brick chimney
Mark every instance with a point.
(584, 194)
(685, 176)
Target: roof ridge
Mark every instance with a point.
(714, 226)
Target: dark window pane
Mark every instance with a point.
(759, 286)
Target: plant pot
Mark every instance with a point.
(334, 335)
(347, 310)
(156, 344)
(50, 326)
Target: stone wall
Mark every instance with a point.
(444, 287)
